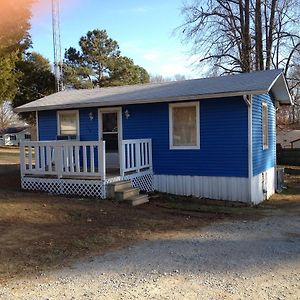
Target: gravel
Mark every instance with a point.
(227, 260)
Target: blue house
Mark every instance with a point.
(212, 137)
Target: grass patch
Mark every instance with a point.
(9, 155)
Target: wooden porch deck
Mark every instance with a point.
(76, 167)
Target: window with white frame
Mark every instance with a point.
(184, 125)
(265, 125)
(68, 122)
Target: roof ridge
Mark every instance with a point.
(171, 81)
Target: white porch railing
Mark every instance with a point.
(63, 158)
(136, 155)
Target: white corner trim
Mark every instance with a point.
(250, 148)
(37, 125)
(61, 112)
(195, 104)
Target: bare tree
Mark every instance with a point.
(243, 35)
(179, 77)
(7, 116)
(157, 78)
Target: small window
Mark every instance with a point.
(12, 138)
(184, 126)
(265, 126)
(27, 136)
(68, 123)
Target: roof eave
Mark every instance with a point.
(135, 101)
(279, 88)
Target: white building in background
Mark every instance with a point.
(13, 135)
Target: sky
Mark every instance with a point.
(143, 29)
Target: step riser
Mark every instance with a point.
(122, 187)
(117, 187)
(123, 191)
(124, 195)
(139, 201)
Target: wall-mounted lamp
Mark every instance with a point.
(126, 114)
(91, 116)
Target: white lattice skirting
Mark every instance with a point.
(143, 181)
(85, 188)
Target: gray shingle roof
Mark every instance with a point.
(214, 87)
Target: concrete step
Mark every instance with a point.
(138, 200)
(126, 194)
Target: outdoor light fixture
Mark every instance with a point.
(91, 116)
(126, 113)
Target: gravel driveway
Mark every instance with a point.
(227, 260)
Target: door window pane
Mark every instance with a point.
(110, 122)
(110, 131)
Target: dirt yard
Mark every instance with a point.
(168, 249)
(39, 232)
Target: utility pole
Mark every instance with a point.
(58, 69)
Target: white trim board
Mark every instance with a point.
(59, 112)
(195, 104)
(120, 127)
(37, 125)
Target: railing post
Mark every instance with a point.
(101, 159)
(22, 159)
(138, 156)
(150, 154)
(58, 160)
(122, 160)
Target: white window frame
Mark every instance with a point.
(67, 112)
(265, 105)
(184, 104)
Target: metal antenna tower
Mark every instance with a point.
(58, 70)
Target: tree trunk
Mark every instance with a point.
(245, 34)
(247, 37)
(269, 37)
(259, 59)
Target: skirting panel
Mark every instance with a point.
(143, 181)
(86, 188)
(263, 186)
(221, 188)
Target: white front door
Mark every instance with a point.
(110, 131)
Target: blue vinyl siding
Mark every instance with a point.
(223, 138)
(88, 128)
(263, 159)
(47, 125)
